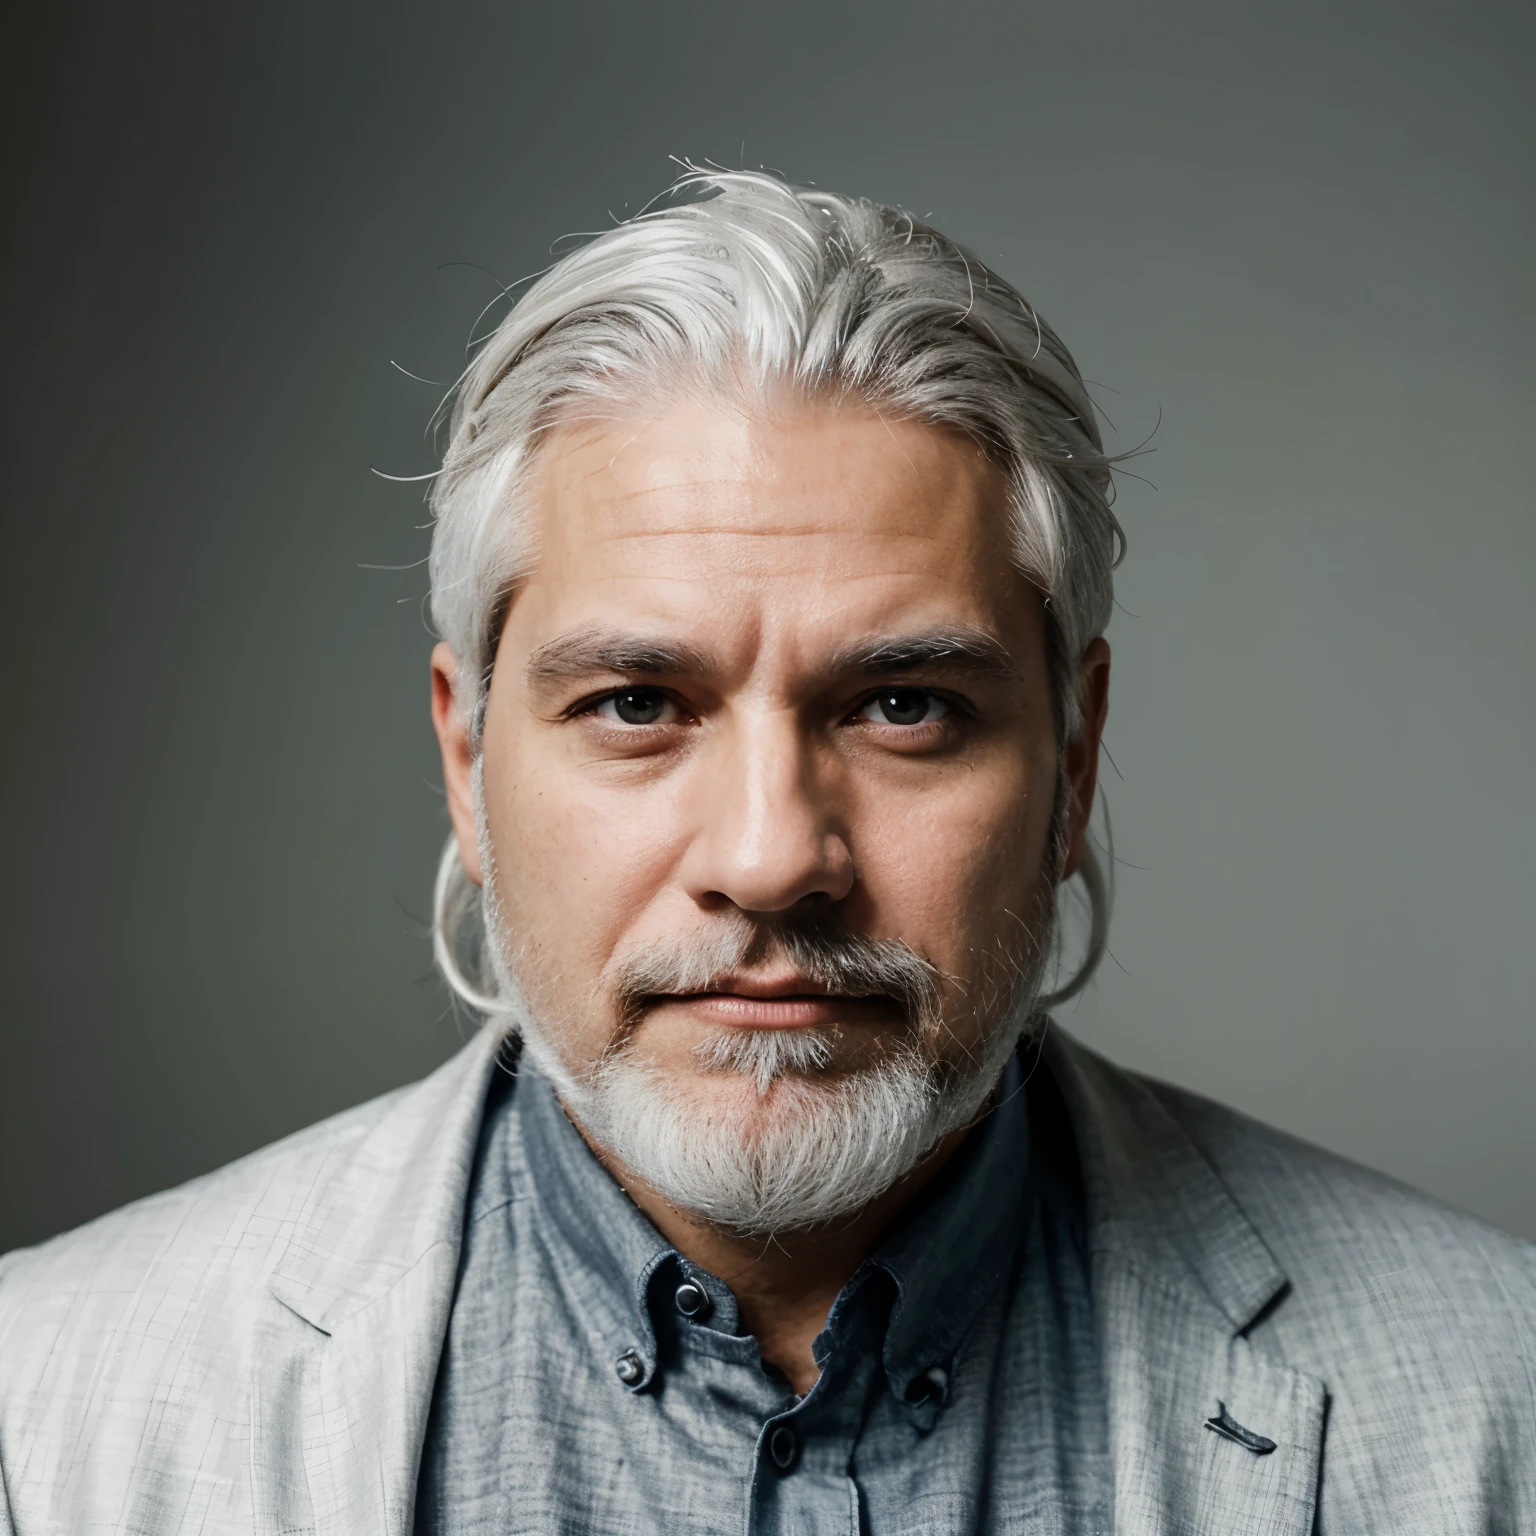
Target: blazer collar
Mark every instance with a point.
(371, 1266)
(386, 1197)
(1153, 1197)
(1180, 1276)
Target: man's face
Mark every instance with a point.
(768, 669)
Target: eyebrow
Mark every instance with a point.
(955, 649)
(586, 651)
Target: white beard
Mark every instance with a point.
(787, 1144)
(818, 1150)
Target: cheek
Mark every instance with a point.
(576, 862)
(952, 869)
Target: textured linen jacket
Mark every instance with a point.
(256, 1351)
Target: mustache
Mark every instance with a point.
(832, 958)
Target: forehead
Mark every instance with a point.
(809, 520)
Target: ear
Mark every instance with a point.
(452, 726)
(1080, 761)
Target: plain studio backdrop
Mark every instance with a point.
(1293, 247)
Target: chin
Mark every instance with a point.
(805, 1150)
(735, 1098)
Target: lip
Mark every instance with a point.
(786, 1003)
(789, 985)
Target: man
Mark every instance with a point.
(772, 561)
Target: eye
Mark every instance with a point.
(904, 706)
(637, 706)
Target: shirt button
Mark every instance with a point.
(783, 1447)
(692, 1300)
(930, 1387)
(630, 1368)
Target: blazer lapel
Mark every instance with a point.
(371, 1268)
(1172, 1368)
(1179, 1277)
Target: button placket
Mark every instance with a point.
(803, 1480)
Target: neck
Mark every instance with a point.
(784, 1284)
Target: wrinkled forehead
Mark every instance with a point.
(807, 521)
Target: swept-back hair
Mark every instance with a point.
(735, 282)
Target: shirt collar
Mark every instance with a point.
(950, 1253)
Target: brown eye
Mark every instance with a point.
(638, 706)
(904, 706)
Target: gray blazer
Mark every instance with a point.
(256, 1351)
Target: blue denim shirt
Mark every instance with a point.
(593, 1380)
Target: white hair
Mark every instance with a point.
(736, 282)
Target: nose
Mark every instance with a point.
(768, 835)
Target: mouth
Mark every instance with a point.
(777, 1002)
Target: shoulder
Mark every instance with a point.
(1381, 1275)
(144, 1354)
(1314, 1204)
(195, 1250)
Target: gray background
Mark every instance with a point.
(1300, 239)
